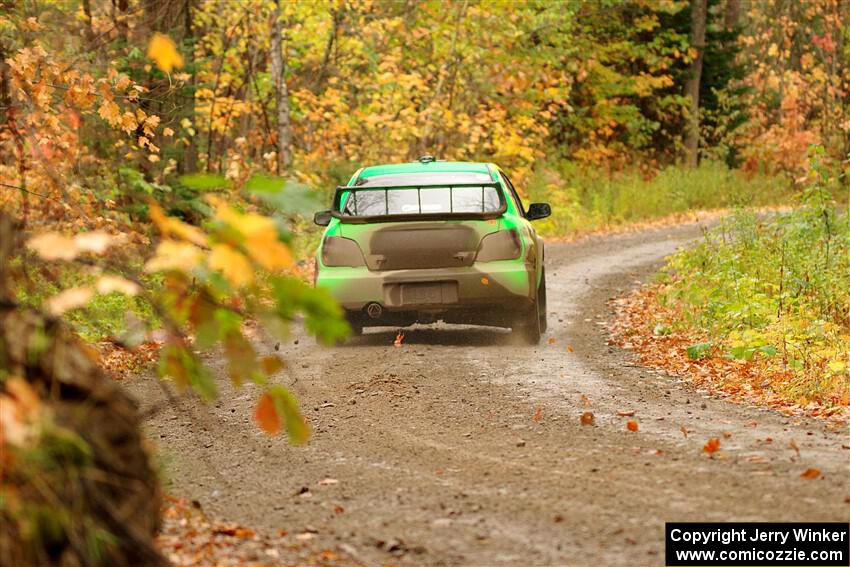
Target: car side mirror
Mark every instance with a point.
(538, 211)
(322, 218)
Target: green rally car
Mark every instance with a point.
(434, 240)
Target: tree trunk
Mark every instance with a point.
(284, 134)
(732, 14)
(699, 11)
(190, 153)
(337, 15)
(87, 492)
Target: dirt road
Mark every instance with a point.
(460, 448)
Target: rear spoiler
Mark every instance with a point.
(336, 210)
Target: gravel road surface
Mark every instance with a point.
(462, 448)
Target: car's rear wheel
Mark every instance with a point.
(541, 302)
(527, 326)
(531, 325)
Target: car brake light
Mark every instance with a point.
(338, 251)
(501, 245)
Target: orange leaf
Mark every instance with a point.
(585, 400)
(809, 474)
(793, 445)
(569, 348)
(398, 339)
(587, 418)
(537, 415)
(271, 364)
(632, 425)
(626, 413)
(551, 340)
(266, 415)
(485, 281)
(712, 446)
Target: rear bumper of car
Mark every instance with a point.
(484, 293)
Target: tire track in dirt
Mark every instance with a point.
(436, 447)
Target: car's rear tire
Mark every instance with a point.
(541, 302)
(527, 326)
(531, 325)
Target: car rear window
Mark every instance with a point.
(425, 200)
(429, 200)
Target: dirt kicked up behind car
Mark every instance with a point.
(434, 241)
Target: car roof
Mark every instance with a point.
(427, 167)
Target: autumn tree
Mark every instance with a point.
(699, 13)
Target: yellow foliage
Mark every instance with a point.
(260, 234)
(164, 53)
(174, 255)
(170, 226)
(232, 264)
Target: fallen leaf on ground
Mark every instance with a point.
(398, 339)
(684, 431)
(537, 415)
(793, 445)
(569, 348)
(551, 340)
(587, 418)
(585, 400)
(809, 474)
(632, 425)
(628, 413)
(234, 531)
(712, 445)
(328, 481)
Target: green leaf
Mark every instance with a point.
(699, 350)
(661, 330)
(204, 181)
(242, 362)
(768, 350)
(181, 365)
(323, 315)
(742, 353)
(285, 195)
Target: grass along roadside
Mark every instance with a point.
(759, 310)
(588, 201)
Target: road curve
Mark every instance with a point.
(461, 448)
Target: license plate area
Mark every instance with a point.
(428, 293)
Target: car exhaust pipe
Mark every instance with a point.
(374, 310)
